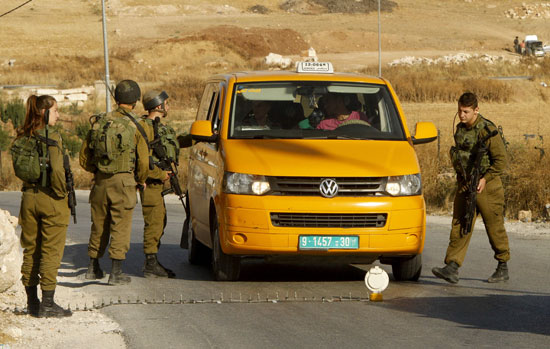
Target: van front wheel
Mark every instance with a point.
(407, 269)
(224, 267)
(197, 253)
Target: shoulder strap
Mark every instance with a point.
(50, 142)
(139, 127)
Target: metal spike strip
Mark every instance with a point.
(258, 299)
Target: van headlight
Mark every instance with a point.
(404, 185)
(241, 183)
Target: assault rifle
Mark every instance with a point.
(167, 164)
(45, 160)
(472, 181)
(70, 186)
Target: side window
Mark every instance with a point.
(214, 116)
(206, 102)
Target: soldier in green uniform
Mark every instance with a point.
(116, 151)
(44, 214)
(152, 200)
(490, 192)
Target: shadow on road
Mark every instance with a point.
(75, 261)
(508, 313)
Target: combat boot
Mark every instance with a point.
(153, 268)
(117, 277)
(94, 271)
(501, 274)
(448, 273)
(33, 303)
(48, 308)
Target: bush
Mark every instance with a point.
(81, 128)
(525, 181)
(71, 143)
(14, 110)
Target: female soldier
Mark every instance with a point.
(44, 213)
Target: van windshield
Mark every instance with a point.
(314, 109)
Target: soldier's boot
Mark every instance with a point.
(448, 273)
(500, 274)
(117, 277)
(48, 308)
(94, 271)
(153, 268)
(33, 303)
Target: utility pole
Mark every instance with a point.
(379, 44)
(106, 58)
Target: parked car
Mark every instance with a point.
(533, 46)
(265, 181)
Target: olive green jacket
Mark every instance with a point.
(155, 173)
(496, 150)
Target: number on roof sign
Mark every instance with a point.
(314, 67)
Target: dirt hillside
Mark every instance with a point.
(72, 29)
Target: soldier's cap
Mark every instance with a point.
(153, 98)
(127, 92)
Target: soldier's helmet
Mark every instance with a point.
(153, 99)
(127, 92)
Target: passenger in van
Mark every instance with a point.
(340, 108)
(259, 115)
(315, 117)
(286, 114)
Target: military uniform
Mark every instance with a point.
(152, 201)
(490, 202)
(113, 196)
(44, 217)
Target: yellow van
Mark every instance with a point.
(307, 163)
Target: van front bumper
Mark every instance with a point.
(247, 227)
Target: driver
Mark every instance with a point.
(259, 115)
(338, 111)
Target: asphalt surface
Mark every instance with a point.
(298, 305)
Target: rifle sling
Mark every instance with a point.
(139, 127)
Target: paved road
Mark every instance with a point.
(246, 314)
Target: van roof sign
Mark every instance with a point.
(315, 67)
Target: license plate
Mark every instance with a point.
(328, 242)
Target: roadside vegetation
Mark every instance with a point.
(427, 93)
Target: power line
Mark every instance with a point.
(10, 11)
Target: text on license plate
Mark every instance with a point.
(328, 242)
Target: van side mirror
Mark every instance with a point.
(425, 133)
(201, 131)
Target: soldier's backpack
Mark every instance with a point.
(112, 144)
(29, 157)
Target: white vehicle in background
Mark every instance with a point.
(533, 46)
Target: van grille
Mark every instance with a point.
(309, 186)
(322, 220)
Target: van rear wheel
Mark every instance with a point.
(224, 266)
(407, 269)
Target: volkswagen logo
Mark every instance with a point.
(328, 188)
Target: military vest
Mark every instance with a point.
(165, 144)
(112, 143)
(464, 152)
(30, 158)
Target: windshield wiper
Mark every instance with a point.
(343, 137)
(270, 137)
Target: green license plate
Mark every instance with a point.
(326, 242)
